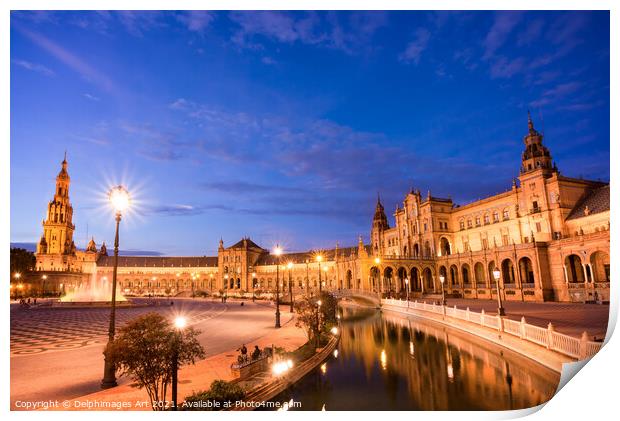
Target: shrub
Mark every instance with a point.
(221, 395)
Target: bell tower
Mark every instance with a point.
(536, 155)
(57, 238)
(379, 224)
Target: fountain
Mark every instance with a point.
(96, 292)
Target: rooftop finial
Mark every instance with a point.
(530, 125)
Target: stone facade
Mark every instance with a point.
(548, 234)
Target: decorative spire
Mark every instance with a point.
(530, 124)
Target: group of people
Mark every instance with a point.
(256, 354)
(25, 302)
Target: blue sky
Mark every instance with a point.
(284, 126)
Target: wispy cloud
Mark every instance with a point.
(532, 33)
(503, 67)
(349, 32)
(34, 67)
(196, 20)
(556, 93)
(503, 24)
(74, 62)
(91, 97)
(416, 46)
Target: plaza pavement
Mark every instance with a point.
(568, 318)
(199, 377)
(63, 366)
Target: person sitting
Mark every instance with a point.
(256, 352)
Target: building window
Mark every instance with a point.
(496, 216)
(462, 224)
(425, 227)
(487, 220)
(469, 223)
(506, 214)
(477, 221)
(485, 243)
(538, 228)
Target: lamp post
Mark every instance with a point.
(318, 323)
(179, 323)
(225, 287)
(378, 262)
(119, 198)
(407, 288)
(278, 252)
(17, 276)
(43, 278)
(253, 286)
(307, 277)
(319, 258)
(500, 308)
(442, 279)
(290, 284)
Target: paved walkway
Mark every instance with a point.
(569, 318)
(197, 377)
(53, 362)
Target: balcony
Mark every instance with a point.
(534, 210)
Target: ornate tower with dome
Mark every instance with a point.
(56, 246)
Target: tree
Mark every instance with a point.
(308, 317)
(144, 350)
(22, 260)
(313, 318)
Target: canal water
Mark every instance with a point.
(387, 362)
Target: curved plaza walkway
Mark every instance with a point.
(57, 353)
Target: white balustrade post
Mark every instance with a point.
(522, 330)
(550, 331)
(467, 314)
(583, 346)
(482, 317)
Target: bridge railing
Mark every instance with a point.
(579, 348)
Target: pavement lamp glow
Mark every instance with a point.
(180, 322)
(282, 367)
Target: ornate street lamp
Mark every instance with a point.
(325, 270)
(43, 278)
(319, 258)
(179, 324)
(225, 287)
(407, 288)
(119, 198)
(253, 286)
(290, 285)
(278, 252)
(500, 308)
(318, 323)
(442, 279)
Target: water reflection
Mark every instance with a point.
(386, 362)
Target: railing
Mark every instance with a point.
(578, 348)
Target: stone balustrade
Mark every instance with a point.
(578, 348)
